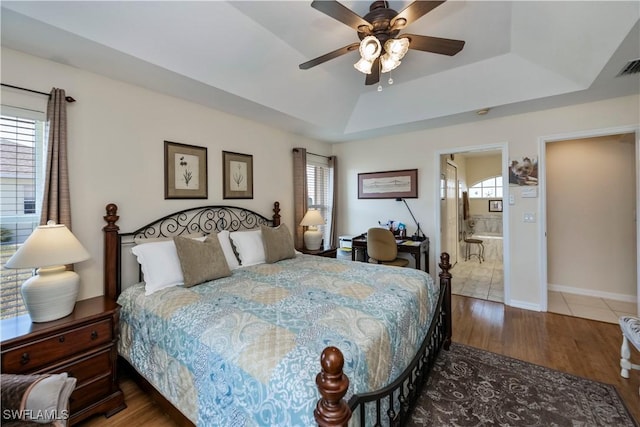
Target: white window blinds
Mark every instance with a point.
(21, 171)
(318, 189)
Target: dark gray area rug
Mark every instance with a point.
(473, 387)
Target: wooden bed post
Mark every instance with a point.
(332, 410)
(445, 281)
(276, 214)
(111, 248)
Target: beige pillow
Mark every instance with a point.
(201, 261)
(278, 243)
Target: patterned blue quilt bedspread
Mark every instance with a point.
(244, 350)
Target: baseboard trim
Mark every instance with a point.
(593, 293)
(525, 305)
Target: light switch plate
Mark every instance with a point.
(512, 199)
(529, 217)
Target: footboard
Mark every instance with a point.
(333, 411)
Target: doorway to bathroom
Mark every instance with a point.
(479, 270)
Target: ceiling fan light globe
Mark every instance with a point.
(389, 62)
(370, 48)
(397, 47)
(363, 66)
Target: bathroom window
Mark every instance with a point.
(487, 189)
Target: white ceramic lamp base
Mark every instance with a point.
(312, 239)
(51, 294)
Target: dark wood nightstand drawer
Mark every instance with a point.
(89, 393)
(87, 368)
(29, 357)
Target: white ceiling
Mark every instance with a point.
(242, 57)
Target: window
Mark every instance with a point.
(21, 172)
(487, 189)
(319, 190)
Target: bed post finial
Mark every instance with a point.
(276, 214)
(111, 249)
(445, 285)
(332, 410)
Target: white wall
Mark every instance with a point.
(116, 151)
(417, 150)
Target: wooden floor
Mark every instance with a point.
(578, 346)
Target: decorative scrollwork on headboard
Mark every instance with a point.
(207, 220)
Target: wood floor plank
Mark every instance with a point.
(581, 347)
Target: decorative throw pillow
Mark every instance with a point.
(249, 246)
(201, 261)
(278, 243)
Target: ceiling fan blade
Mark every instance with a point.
(374, 77)
(328, 56)
(414, 11)
(434, 44)
(343, 14)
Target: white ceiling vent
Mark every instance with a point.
(632, 67)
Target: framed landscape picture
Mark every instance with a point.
(185, 171)
(237, 170)
(388, 185)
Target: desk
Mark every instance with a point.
(416, 249)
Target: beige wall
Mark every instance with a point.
(117, 132)
(116, 150)
(591, 202)
(418, 150)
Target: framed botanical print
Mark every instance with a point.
(185, 171)
(237, 177)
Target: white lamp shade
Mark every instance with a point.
(312, 218)
(49, 245)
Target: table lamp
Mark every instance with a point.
(313, 236)
(51, 293)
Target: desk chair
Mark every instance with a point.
(468, 240)
(383, 249)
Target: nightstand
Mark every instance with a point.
(328, 253)
(83, 344)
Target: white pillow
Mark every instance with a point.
(160, 264)
(249, 246)
(227, 249)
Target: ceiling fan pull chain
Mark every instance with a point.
(390, 78)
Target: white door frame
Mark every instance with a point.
(506, 258)
(542, 184)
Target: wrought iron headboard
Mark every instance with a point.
(121, 268)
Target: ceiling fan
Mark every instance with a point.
(381, 47)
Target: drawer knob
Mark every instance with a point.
(25, 359)
(94, 335)
(61, 338)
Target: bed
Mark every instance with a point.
(280, 338)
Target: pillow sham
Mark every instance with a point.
(227, 249)
(160, 265)
(201, 261)
(249, 246)
(278, 243)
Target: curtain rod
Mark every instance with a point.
(314, 154)
(67, 98)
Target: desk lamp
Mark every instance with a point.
(416, 236)
(51, 293)
(313, 236)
